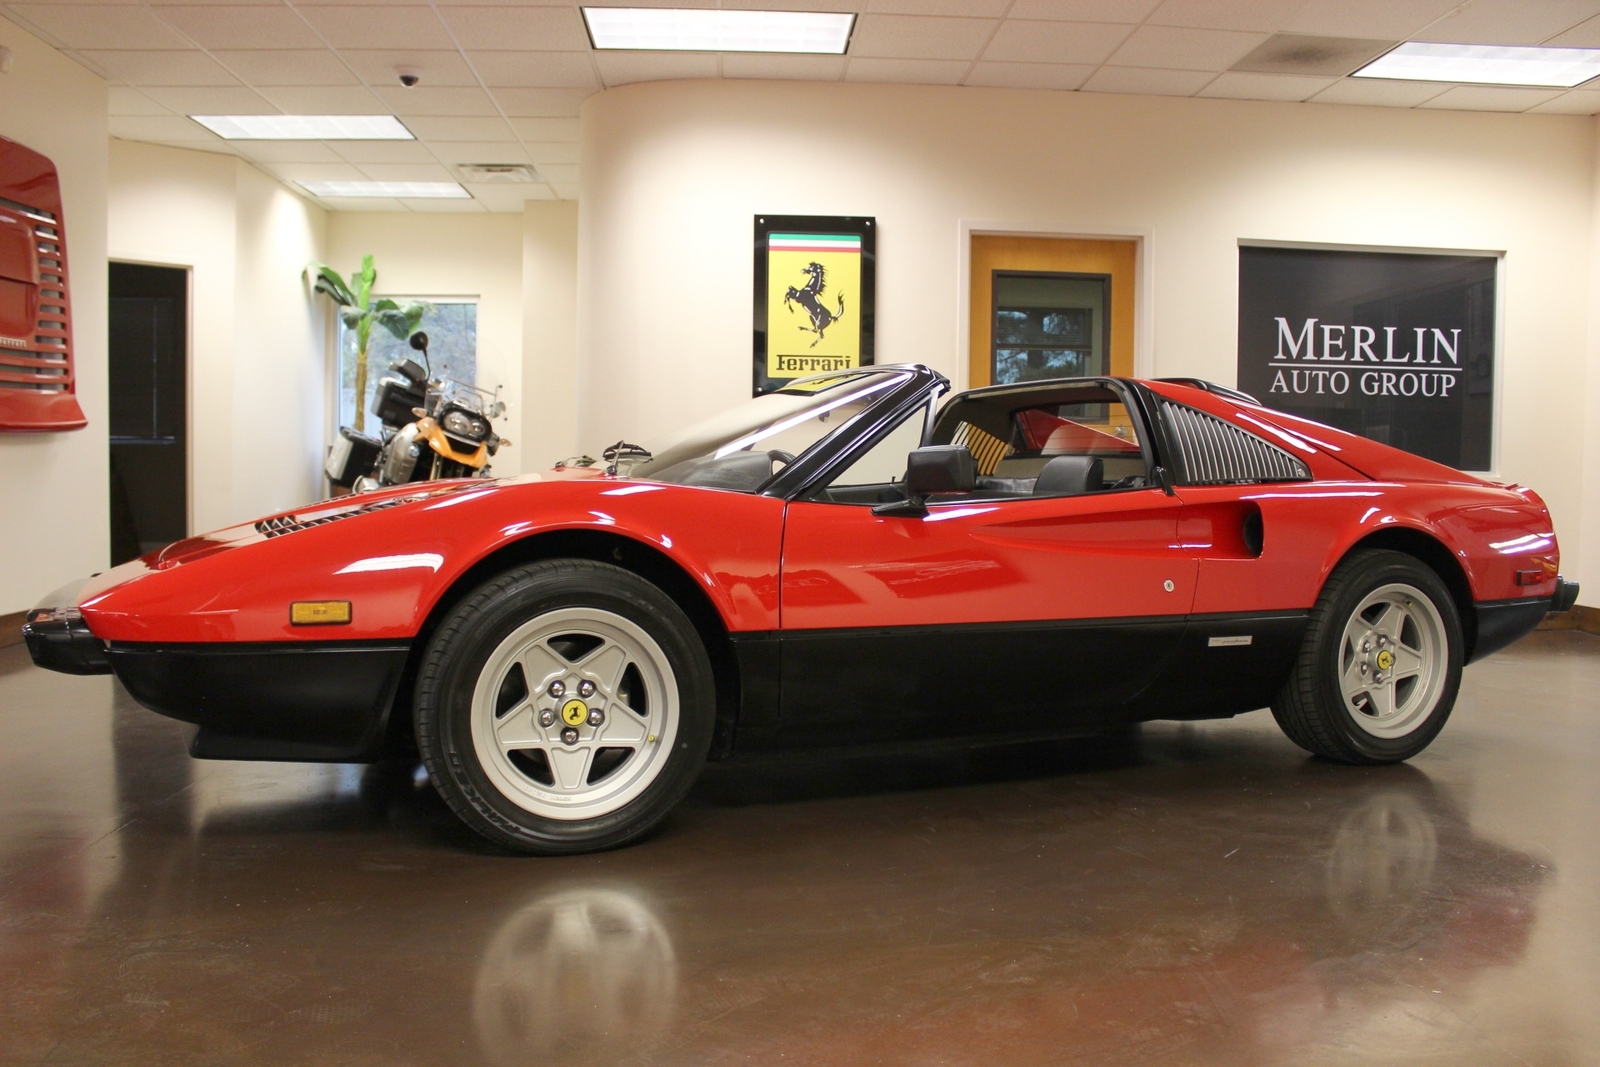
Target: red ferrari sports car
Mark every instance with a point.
(843, 562)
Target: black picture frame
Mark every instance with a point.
(824, 226)
(1398, 346)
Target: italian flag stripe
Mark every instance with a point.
(813, 242)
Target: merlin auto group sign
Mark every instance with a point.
(1395, 346)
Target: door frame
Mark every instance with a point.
(188, 370)
(1143, 319)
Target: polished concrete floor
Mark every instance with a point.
(1193, 895)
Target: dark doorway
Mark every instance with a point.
(149, 425)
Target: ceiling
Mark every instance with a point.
(501, 82)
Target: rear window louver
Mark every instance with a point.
(1213, 451)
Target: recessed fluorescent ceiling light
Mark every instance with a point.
(706, 30)
(305, 127)
(408, 190)
(1484, 64)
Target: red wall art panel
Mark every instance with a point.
(38, 388)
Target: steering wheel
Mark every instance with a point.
(781, 456)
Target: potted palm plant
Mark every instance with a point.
(359, 312)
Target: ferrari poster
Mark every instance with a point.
(814, 296)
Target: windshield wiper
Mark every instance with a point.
(620, 451)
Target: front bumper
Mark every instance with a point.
(58, 638)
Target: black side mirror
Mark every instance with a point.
(419, 341)
(933, 469)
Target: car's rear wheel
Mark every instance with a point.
(565, 706)
(1380, 664)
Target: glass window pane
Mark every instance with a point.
(452, 329)
(1049, 326)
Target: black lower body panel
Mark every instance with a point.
(311, 701)
(1501, 622)
(1225, 664)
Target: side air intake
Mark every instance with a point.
(1212, 451)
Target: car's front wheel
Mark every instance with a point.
(565, 706)
(1380, 664)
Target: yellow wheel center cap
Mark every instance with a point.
(1385, 660)
(574, 712)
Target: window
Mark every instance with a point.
(452, 329)
(1065, 441)
(878, 475)
(1049, 326)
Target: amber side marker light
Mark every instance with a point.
(319, 612)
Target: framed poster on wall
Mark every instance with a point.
(813, 296)
(1395, 346)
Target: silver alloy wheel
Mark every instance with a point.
(1392, 660)
(562, 755)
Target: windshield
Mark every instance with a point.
(742, 448)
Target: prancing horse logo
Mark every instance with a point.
(807, 297)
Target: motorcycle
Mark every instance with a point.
(431, 429)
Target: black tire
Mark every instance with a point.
(1313, 708)
(475, 638)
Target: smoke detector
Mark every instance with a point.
(497, 173)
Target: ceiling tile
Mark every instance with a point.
(1577, 102)
(541, 103)
(213, 100)
(991, 9)
(118, 26)
(1029, 75)
(1236, 85)
(1124, 11)
(534, 70)
(303, 66)
(356, 203)
(437, 68)
(315, 172)
(911, 71)
(1491, 98)
(436, 101)
(566, 192)
(508, 199)
(1172, 48)
(499, 29)
(777, 5)
(1147, 82)
(287, 151)
(326, 100)
(620, 68)
(453, 152)
(1055, 42)
(379, 27)
(382, 151)
(241, 26)
(165, 128)
(1395, 19)
(162, 68)
(407, 172)
(1256, 16)
(795, 68)
(1508, 21)
(919, 37)
(560, 173)
(445, 207)
(545, 152)
(1583, 35)
(546, 129)
(121, 101)
(1379, 92)
(460, 129)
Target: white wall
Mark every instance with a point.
(673, 172)
(550, 333)
(54, 486)
(257, 386)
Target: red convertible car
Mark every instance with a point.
(843, 562)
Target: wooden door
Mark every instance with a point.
(1015, 260)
